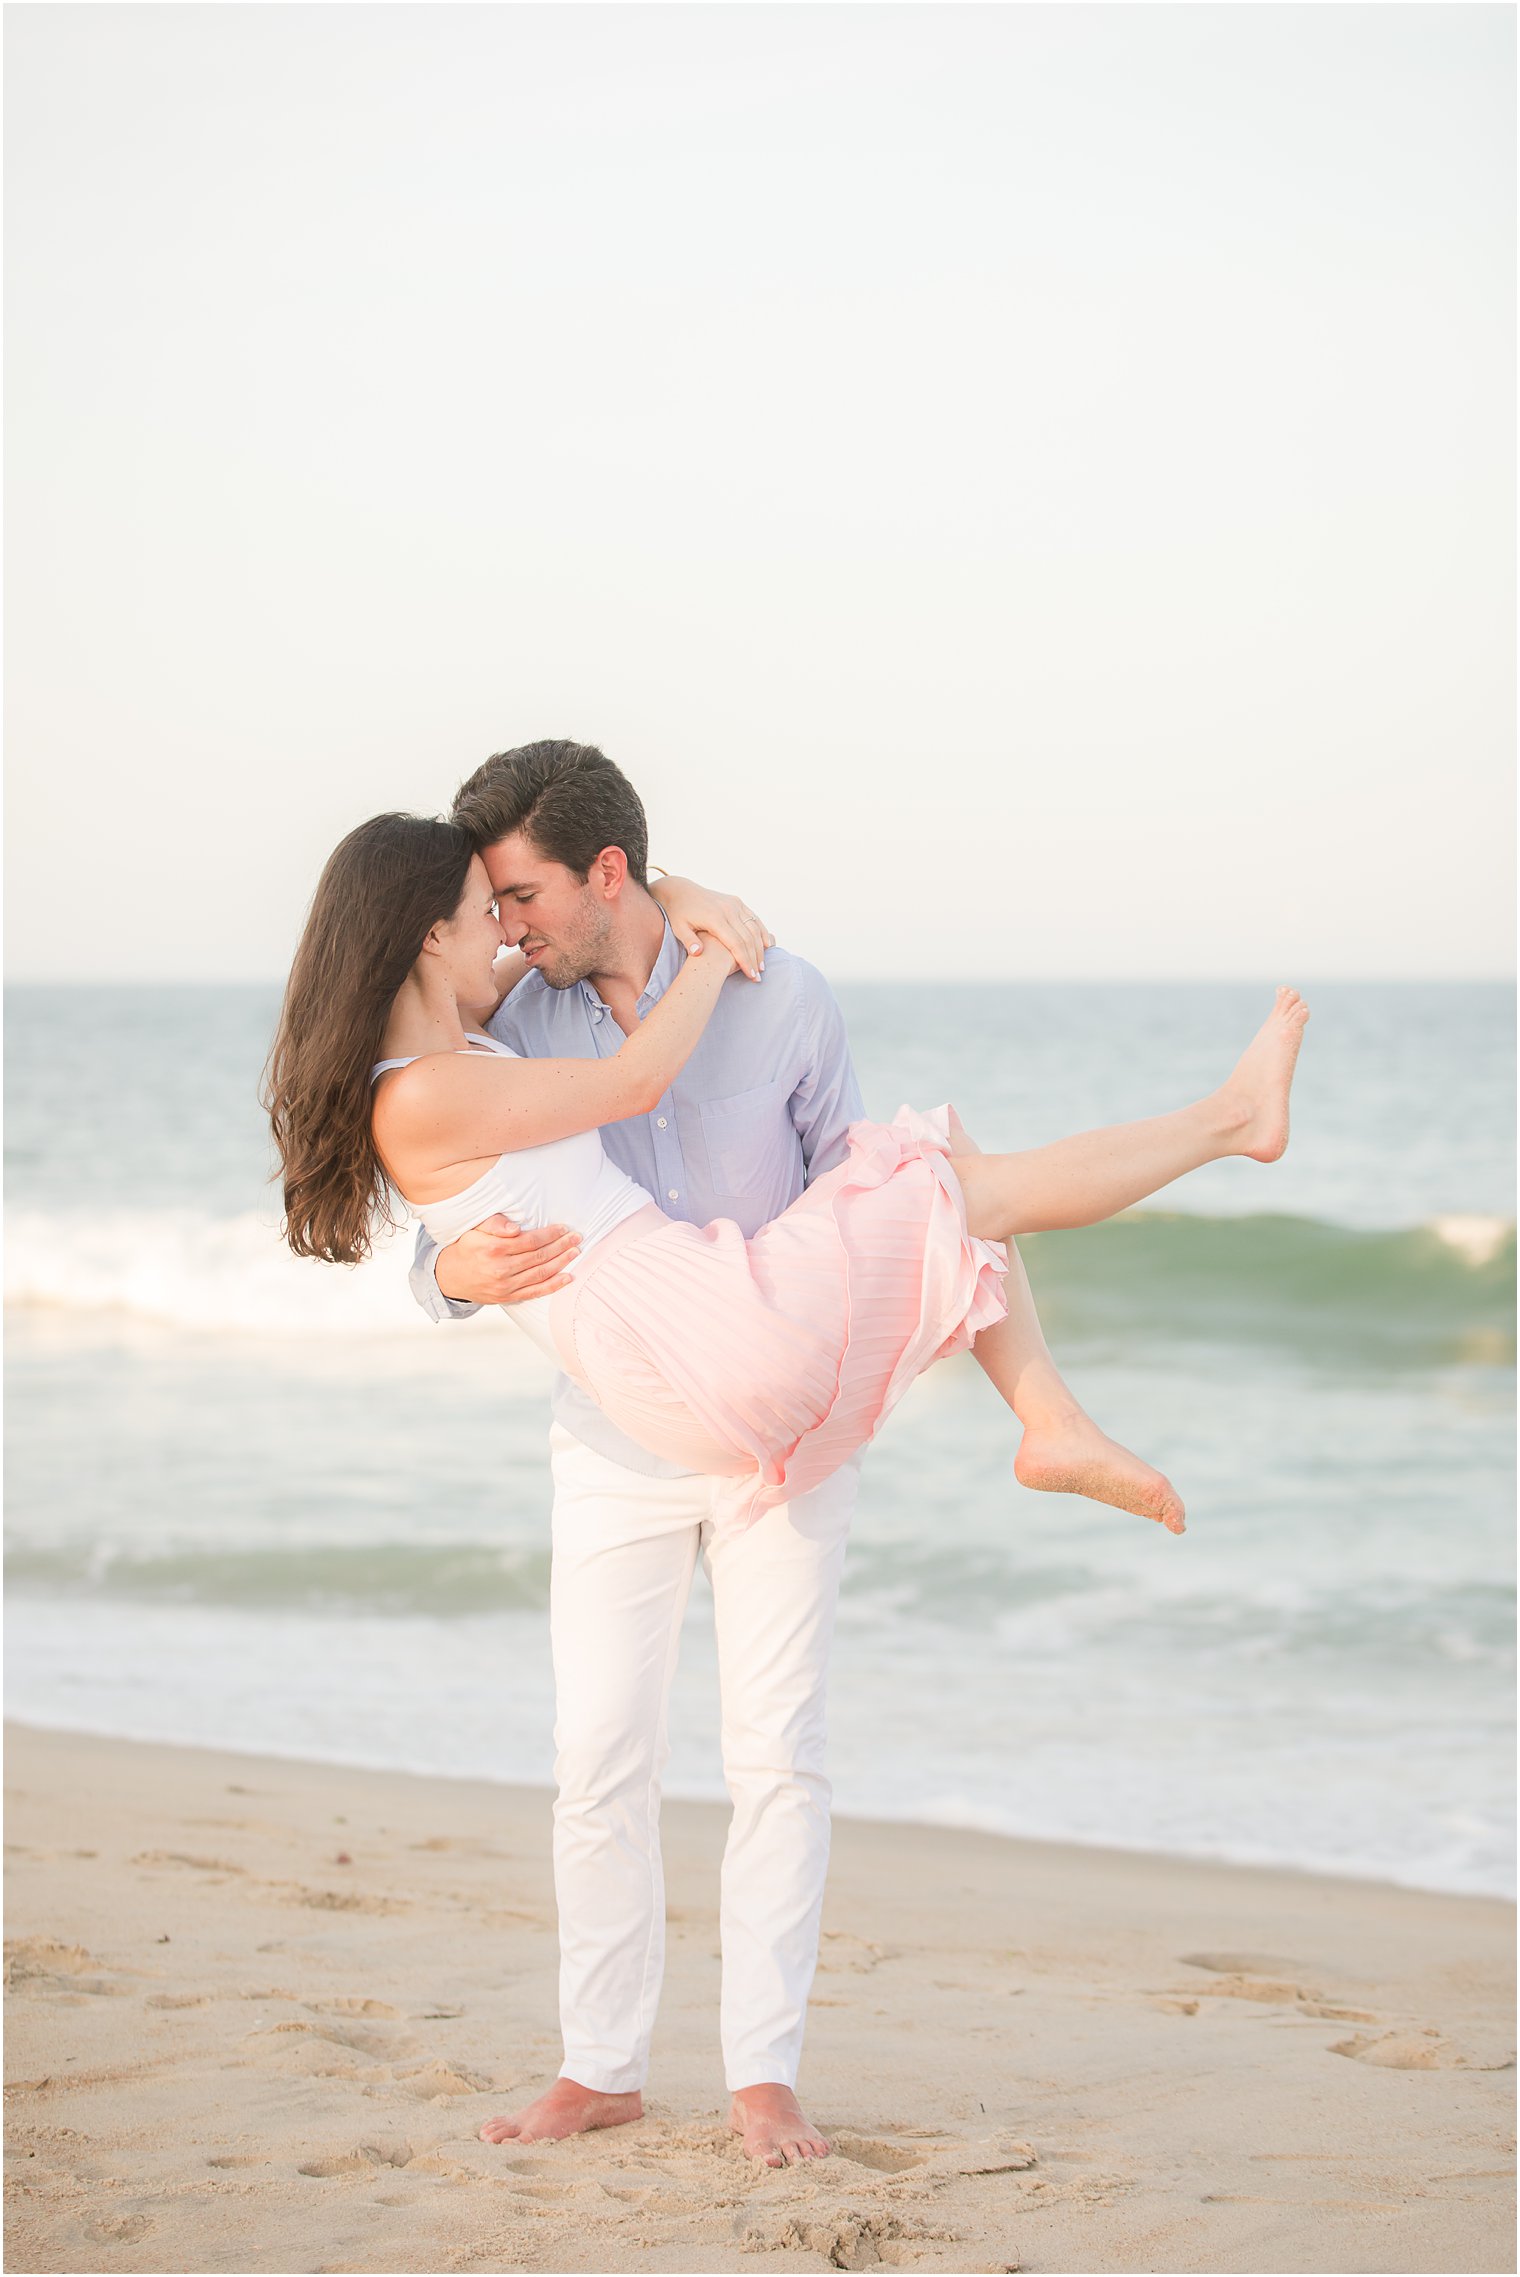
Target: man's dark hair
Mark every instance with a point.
(568, 798)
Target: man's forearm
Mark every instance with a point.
(423, 1281)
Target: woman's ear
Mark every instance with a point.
(433, 943)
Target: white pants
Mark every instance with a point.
(625, 1551)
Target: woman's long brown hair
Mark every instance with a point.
(381, 893)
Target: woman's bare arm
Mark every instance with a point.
(693, 910)
(452, 1108)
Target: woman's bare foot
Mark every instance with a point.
(1073, 1456)
(1255, 1099)
(567, 2109)
(769, 2118)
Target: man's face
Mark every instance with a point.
(559, 921)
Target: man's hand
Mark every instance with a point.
(494, 1264)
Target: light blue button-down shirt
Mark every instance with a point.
(761, 1106)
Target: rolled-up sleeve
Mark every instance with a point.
(827, 1099)
(423, 1280)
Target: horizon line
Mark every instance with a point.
(919, 979)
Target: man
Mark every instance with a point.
(761, 1107)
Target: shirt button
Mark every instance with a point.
(672, 1194)
(659, 1122)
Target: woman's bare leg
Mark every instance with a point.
(1062, 1451)
(1079, 1181)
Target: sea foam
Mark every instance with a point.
(203, 1272)
(1285, 1281)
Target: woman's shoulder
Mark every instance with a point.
(422, 1085)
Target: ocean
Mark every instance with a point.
(264, 1505)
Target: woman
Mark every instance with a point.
(763, 1362)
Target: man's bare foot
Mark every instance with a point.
(1073, 1456)
(770, 2120)
(1255, 1099)
(567, 2109)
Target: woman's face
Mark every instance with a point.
(473, 940)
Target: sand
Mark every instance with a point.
(259, 2009)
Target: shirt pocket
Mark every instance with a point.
(745, 1139)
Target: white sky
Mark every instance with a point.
(1021, 489)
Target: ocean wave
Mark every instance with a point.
(198, 1271)
(910, 1595)
(1441, 1290)
(437, 1579)
(1444, 1288)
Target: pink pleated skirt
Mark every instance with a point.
(768, 1362)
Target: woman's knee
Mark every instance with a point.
(961, 1141)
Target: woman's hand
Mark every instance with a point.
(693, 911)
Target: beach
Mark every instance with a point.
(1169, 1919)
(260, 2008)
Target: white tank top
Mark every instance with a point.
(568, 1182)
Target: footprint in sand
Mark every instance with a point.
(1239, 1983)
(1423, 2050)
(451, 2169)
(334, 1901)
(185, 1858)
(1000, 2156)
(365, 2039)
(842, 1949)
(430, 2082)
(44, 1957)
(849, 2239)
(882, 2158)
(302, 2051)
(59, 1972)
(471, 1845)
(350, 2004)
(1261, 1977)
(118, 2229)
(1242, 1964)
(363, 2159)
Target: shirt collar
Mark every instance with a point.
(666, 965)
